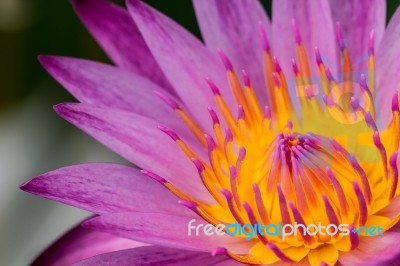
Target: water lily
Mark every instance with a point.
(291, 121)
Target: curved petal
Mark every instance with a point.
(357, 20)
(146, 256)
(165, 230)
(103, 85)
(81, 243)
(103, 188)
(183, 58)
(388, 69)
(120, 38)
(315, 25)
(373, 251)
(137, 139)
(233, 27)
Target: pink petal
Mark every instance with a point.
(183, 58)
(108, 86)
(137, 139)
(103, 188)
(120, 38)
(81, 243)
(316, 28)
(373, 251)
(233, 27)
(388, 69)
(165, 230)
(147, 256)
(357, 20)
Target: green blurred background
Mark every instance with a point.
(32, 138)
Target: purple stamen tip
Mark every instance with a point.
(376, 138)
(213, 87)
(277, 67)
(318, 56)
(296, 32)
(227, 194)
(242, 154)
(167, 100)
(246, 79)
(189, 204)
(228, 135)
(309, 92)
(267, 112)
(227, 63)
(395, 102)
(219, 251)
(276, 79)
(329, 74)
(240, 112)
(210, 142)
(247, 207)
(370, 121)
(289, 124)
(393, 159)
(169, 132)
(295, 67)
(264, 39)
(355, 104)
(339, 36)
(213, 115)
(371, 48)
(199, 165)
(363, 83)
(154, 176)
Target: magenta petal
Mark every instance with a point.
(314, 21)
(233, 27)
(120, 38)
(103, 85)
(357, 19)
(81, 243)
(148, 256)
(183, 58)
(165, 230)
(105, 187)
(373, 251)
(137, 139)
(388, 69)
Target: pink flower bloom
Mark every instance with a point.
(291, 141)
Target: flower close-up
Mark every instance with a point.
(274, 141)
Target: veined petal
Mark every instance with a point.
(233, 27)
(357, 19)
(309, 15)
(388, 69)
(183, 58)
(165, 230)
(147, 256)
(108, 86)
(81, 243)
(137, 139)
(103, 188)
(120, 38)
(373, 250)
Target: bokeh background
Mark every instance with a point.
(33, 139)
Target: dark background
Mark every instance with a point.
(33, 139)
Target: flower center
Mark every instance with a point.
(264, 167)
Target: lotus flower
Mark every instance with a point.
(307, 133)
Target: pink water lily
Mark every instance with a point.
(310, 133)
